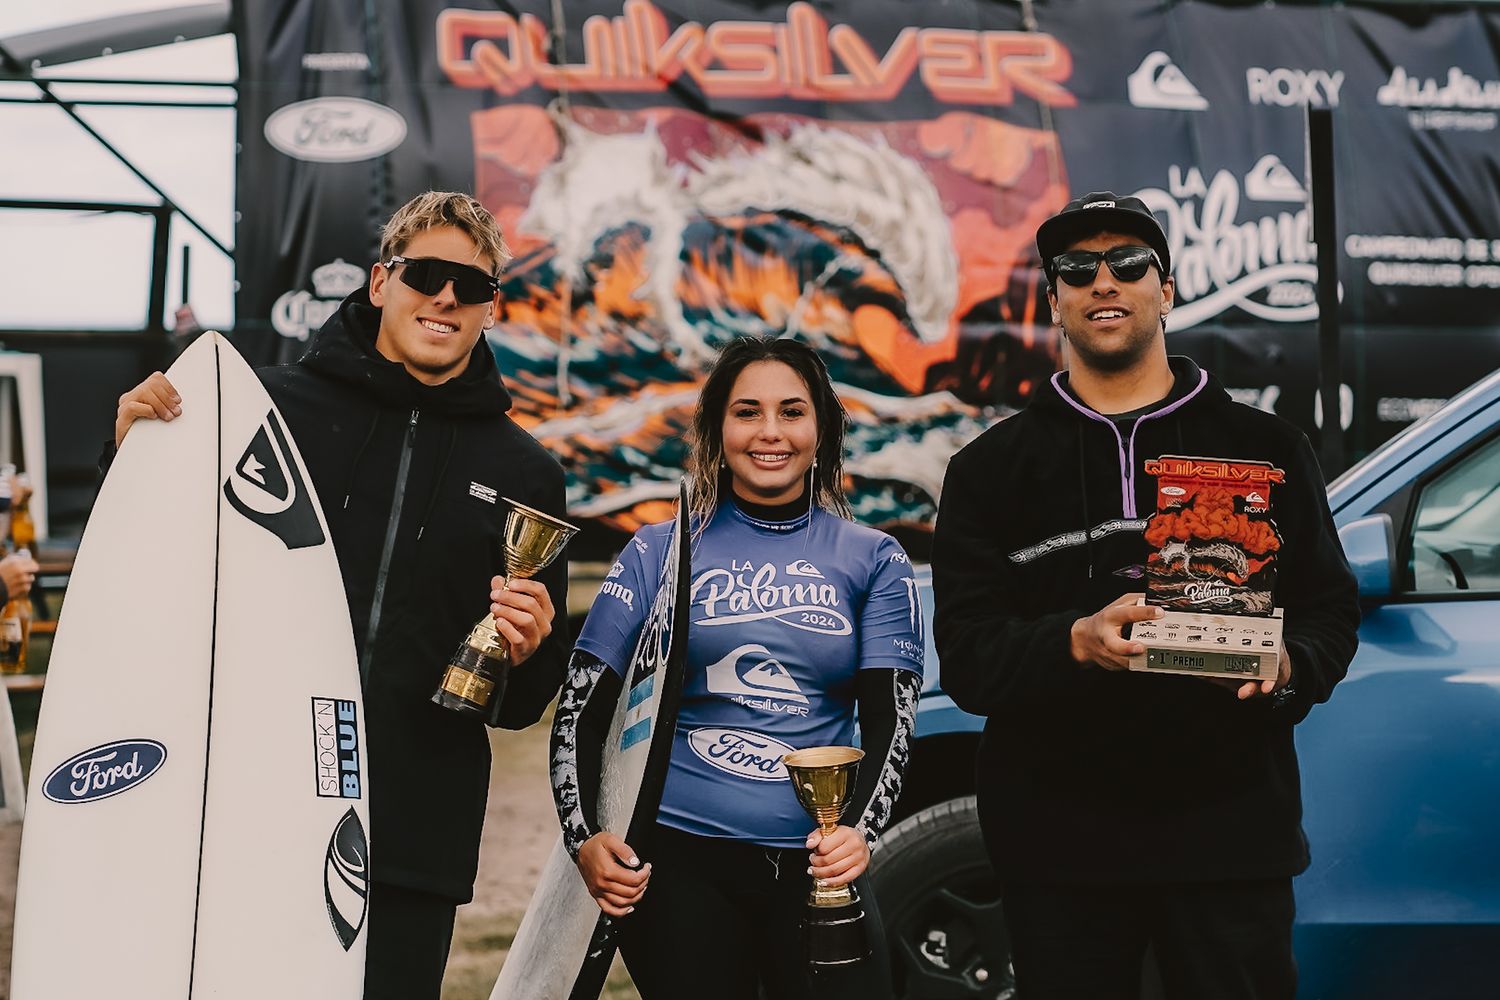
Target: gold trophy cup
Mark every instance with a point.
(475, 678)
(834, 923)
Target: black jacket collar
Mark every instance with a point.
(344, 349)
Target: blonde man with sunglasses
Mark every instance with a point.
(1128, 811)
(400, 415)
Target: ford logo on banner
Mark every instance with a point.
(104, 771)
(335, 129)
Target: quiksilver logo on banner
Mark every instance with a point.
(1158, 83)
(335, 130)
(267, 487)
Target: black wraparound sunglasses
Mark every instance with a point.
(428, 275)
(1128, 263)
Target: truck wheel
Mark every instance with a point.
(940, 903)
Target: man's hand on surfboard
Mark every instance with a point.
(153, 399)
(523, 615)
(840, 857)
(615, 876)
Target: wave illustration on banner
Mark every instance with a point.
(651, 238)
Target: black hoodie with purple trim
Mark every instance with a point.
(1094, 776)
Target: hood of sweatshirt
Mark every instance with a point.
(1191, 387)
(344, 349)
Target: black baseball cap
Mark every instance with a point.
(1097, 212)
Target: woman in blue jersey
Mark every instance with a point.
(799, 617)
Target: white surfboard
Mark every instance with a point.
(564, 945)
(197, 821)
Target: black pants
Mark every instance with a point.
(410, 933)
(720, 918)
(1217, 941)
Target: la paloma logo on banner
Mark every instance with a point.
(335, 129)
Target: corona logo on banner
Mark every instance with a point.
(753, 59)
(1262, 263)
(296, 314)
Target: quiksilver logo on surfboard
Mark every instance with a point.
(346, 878)
(267, 487)
(104, 771)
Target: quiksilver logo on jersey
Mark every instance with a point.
(267, 487)
(749, 675)
(346, 878)
(103, 771)
(740, 753)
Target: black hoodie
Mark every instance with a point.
(1094, 776)
(408, 476)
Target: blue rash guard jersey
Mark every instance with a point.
(784, 614)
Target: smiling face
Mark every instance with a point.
(770, 433)
(1112, 325)
(430, 335)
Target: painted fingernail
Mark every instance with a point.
(809, 869)
(633, 861)
(629, 910)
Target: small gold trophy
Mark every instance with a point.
(476, 674)
(834, 924)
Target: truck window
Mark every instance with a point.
(1456, 531)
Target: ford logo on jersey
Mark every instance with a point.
(740, 753)
(104, 771)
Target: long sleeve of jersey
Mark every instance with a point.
(887, 701)
(579, 728)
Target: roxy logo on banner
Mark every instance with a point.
(267, 487)
(1262, 263)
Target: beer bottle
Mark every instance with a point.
(15, 630)
(7, 473)
(22, 527)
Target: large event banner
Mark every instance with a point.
(867, 175)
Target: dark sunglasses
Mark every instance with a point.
(1078, 267)
(428, 275)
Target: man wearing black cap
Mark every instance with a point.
(1126, 811)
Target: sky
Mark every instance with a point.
(75, 270)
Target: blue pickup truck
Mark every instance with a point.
(1400, 769)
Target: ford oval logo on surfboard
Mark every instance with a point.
(104, 771)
